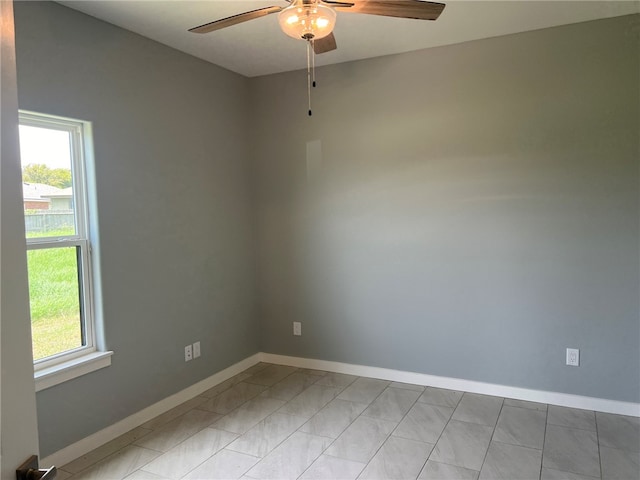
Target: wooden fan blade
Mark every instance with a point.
(336, 3)
(324, 44)
(234, 20)
(417, 9)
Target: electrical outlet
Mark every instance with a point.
(573, 357)
(297, 328)
(188, 353)
(196, 350)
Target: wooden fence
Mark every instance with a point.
(48, 221)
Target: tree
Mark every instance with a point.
(39, 173)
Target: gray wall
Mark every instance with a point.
(175, 223)
(473, 210)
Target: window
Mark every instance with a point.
(53, 154)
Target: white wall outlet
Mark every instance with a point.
(196, 350)
(297, 328)
(188, 353)
(573, 357)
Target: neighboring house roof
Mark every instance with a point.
(63, 193)
(39, 191)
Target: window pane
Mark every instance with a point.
(47, 188)
(54, 292)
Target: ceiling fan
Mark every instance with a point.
(313, 20)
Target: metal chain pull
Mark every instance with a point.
(313, 64)
(309, 73)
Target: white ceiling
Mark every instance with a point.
(258, 47)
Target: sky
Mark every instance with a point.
(44, 146)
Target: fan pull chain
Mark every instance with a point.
(313, 64)
(309, 74)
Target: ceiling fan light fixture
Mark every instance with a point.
(307, 21)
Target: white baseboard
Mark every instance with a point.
(81, 447)
(553, 398)
(97, 439)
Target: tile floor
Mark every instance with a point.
(277, 422)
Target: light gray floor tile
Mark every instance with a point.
(249, 414)
(232, 398)
(619, 464)
(618, 431)
(309, 402)
(62, 474)
(398, 458)
(463, 444)
(267, 434)
(511, 402)
(289, 447)
(270, 375)
(327, 467)
(175, 412)
(360, 441)
(224, 465)
(441, 471)
(571, 450)
(337, 380)
(511, 462)
(109, 448)
(424, 422)
(481, 409)
(441, 397)
(257, 367)
(571, 417)
(118, 465)
(290, 386)
(310, 371)
(226, 385)
(141, 475)
(551, 474)
(291, 458)
(364, 390)
(392, 404)
(187, 455)
(408, 386)
(521, 426)
(332, 420)
(178, 430)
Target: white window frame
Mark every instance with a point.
(69, 364)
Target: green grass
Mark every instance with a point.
(53, 293)
(52, 233)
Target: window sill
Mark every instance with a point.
(62, 372)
